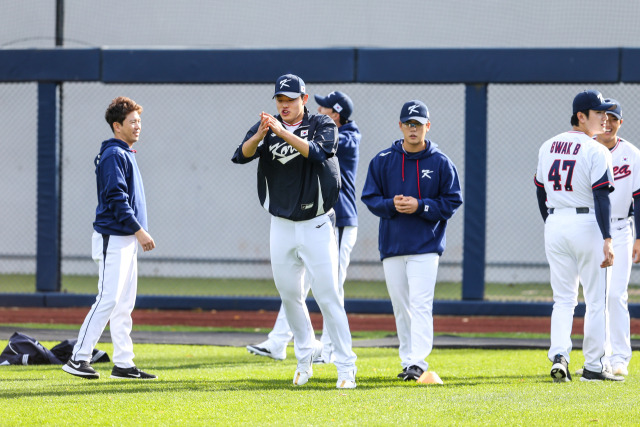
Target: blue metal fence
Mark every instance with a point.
(476, 68)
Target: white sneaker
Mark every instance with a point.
(620, 369)
(301, 377)
(304, 370)
(269, 349)
(346, 379)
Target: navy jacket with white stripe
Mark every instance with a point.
(289, 185)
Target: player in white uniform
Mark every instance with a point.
(574, 177)
(298, 184)
(626, 175)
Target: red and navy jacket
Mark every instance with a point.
(428, 176)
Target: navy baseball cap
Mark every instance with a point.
(590, 100)
(616, 111)
(414, 110)
(339, 101)
(290, 86)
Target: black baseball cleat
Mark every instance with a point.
(413, 372)
(402, 375)
(588, 375)
(80, 368)
(130, 374)
(560, 369)
(264, 349)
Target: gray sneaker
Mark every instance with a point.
(588, 375)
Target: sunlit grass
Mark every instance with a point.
(207, 385)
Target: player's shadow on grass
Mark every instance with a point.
(196, 365)
(86, 388)
(491, 379)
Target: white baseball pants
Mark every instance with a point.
(573, 245)
(310, 245)
(117, 286)
(281, 333)
(619, 330)
(411, 282)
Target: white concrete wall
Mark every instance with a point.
(327, 23)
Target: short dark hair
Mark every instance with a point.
(119, 109)
(343, 120)
(574, 118)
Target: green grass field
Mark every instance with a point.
(206, 385)
(17, 283)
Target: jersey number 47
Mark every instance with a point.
(556, 176)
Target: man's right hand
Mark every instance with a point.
(608, 253)
(251, 145)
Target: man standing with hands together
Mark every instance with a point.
(414, 188)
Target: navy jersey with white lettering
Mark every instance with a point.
(289, 185)
(428, 176)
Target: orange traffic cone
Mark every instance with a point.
(429, 377)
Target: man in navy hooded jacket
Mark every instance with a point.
(120, 225)
(414, 189)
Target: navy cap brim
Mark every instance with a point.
(322, 101)
(292, 95)
(603, 107)
(422, 120)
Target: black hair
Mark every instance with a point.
(574, 118)
(343, 120)
(118, 110)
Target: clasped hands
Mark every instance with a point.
(405, 204)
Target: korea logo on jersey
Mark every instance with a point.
(283, 152)
(426, 173)
(304, 132)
